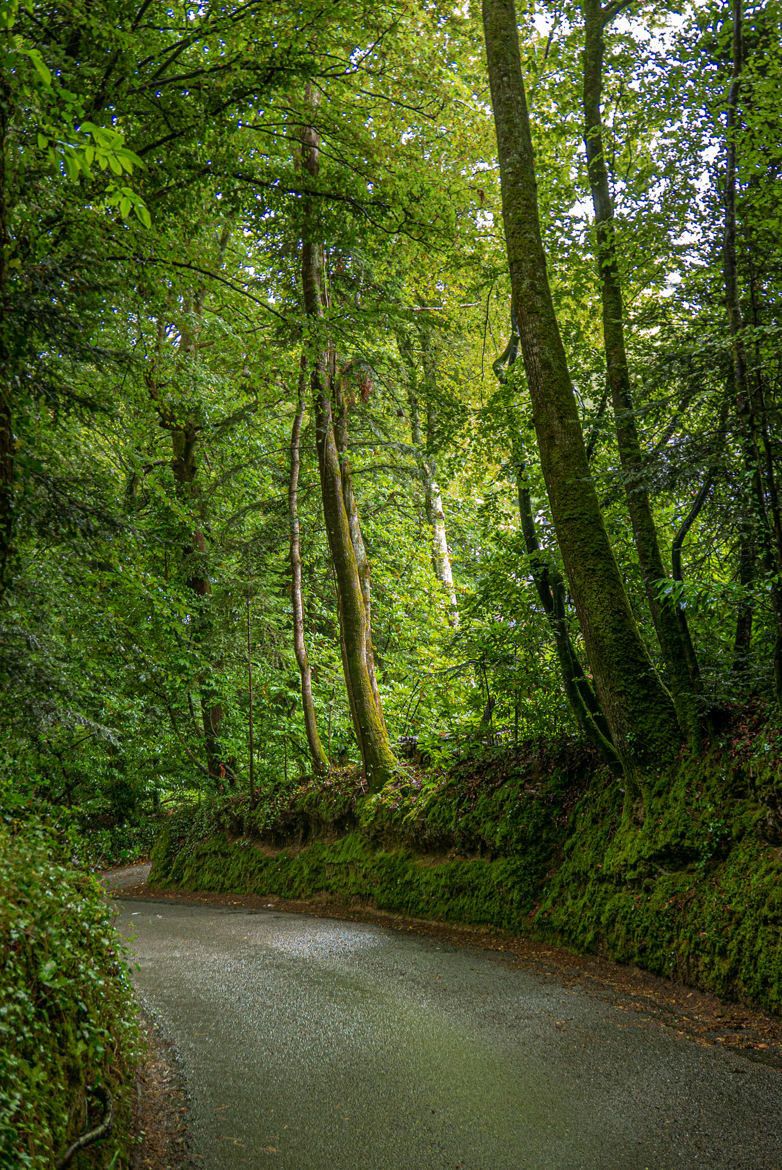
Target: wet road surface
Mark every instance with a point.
(313, 1044)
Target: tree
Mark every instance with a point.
(344, 542)
(669, 620)
(639, 712)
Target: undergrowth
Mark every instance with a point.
(67, 1012)
(536, 842)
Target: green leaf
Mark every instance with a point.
(41, 68)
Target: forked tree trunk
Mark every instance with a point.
(378, 758)
(638, 709)
(671, 626)
(320, 761)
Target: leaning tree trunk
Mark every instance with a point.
(378, 758)
(637, 707)
(320, 761)
(550, 589)
(671, 627)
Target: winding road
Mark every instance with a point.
(313, 1044)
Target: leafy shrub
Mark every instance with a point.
(67, 1012)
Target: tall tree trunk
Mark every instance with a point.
(671, 627)
(356, 535)
(435, 512)
(319, 759)
(550, 589)
(756, 522)
(6, 404)
(637, 707)
(251, 698)
(433, 502)
(184, 467)
(378, 758)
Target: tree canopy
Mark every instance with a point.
(379, 377)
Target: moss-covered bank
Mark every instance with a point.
(535, 844)
(67, 1012)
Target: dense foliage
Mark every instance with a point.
(67, 1013)
(286, 484)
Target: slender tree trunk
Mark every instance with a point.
(6, 403)
(757, 527)
(319, 760)
(742, 639)
(550, 589)
(638, 709)
(671, 626)
(356, 535)
(433, 501)
(378, 758)
(183, 463)
(251, 697)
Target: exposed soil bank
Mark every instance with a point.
(535, 845)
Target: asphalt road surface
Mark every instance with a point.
(312, 1044)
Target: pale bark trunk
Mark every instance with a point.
(441, 558)
(319, 760)
(433, 501)
(639, 711)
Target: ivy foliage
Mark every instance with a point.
(67, 1012)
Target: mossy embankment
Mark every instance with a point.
(533, 843)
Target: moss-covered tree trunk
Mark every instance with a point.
(371, 734)
(319, 759)
(6, 380)
(550, 589)
(761, 523)
(356, 535)
(184, 467)
(638, 709)
(671, 627)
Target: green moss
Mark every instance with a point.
(537, 845)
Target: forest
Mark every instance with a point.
(388, 388)
(285, 478)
